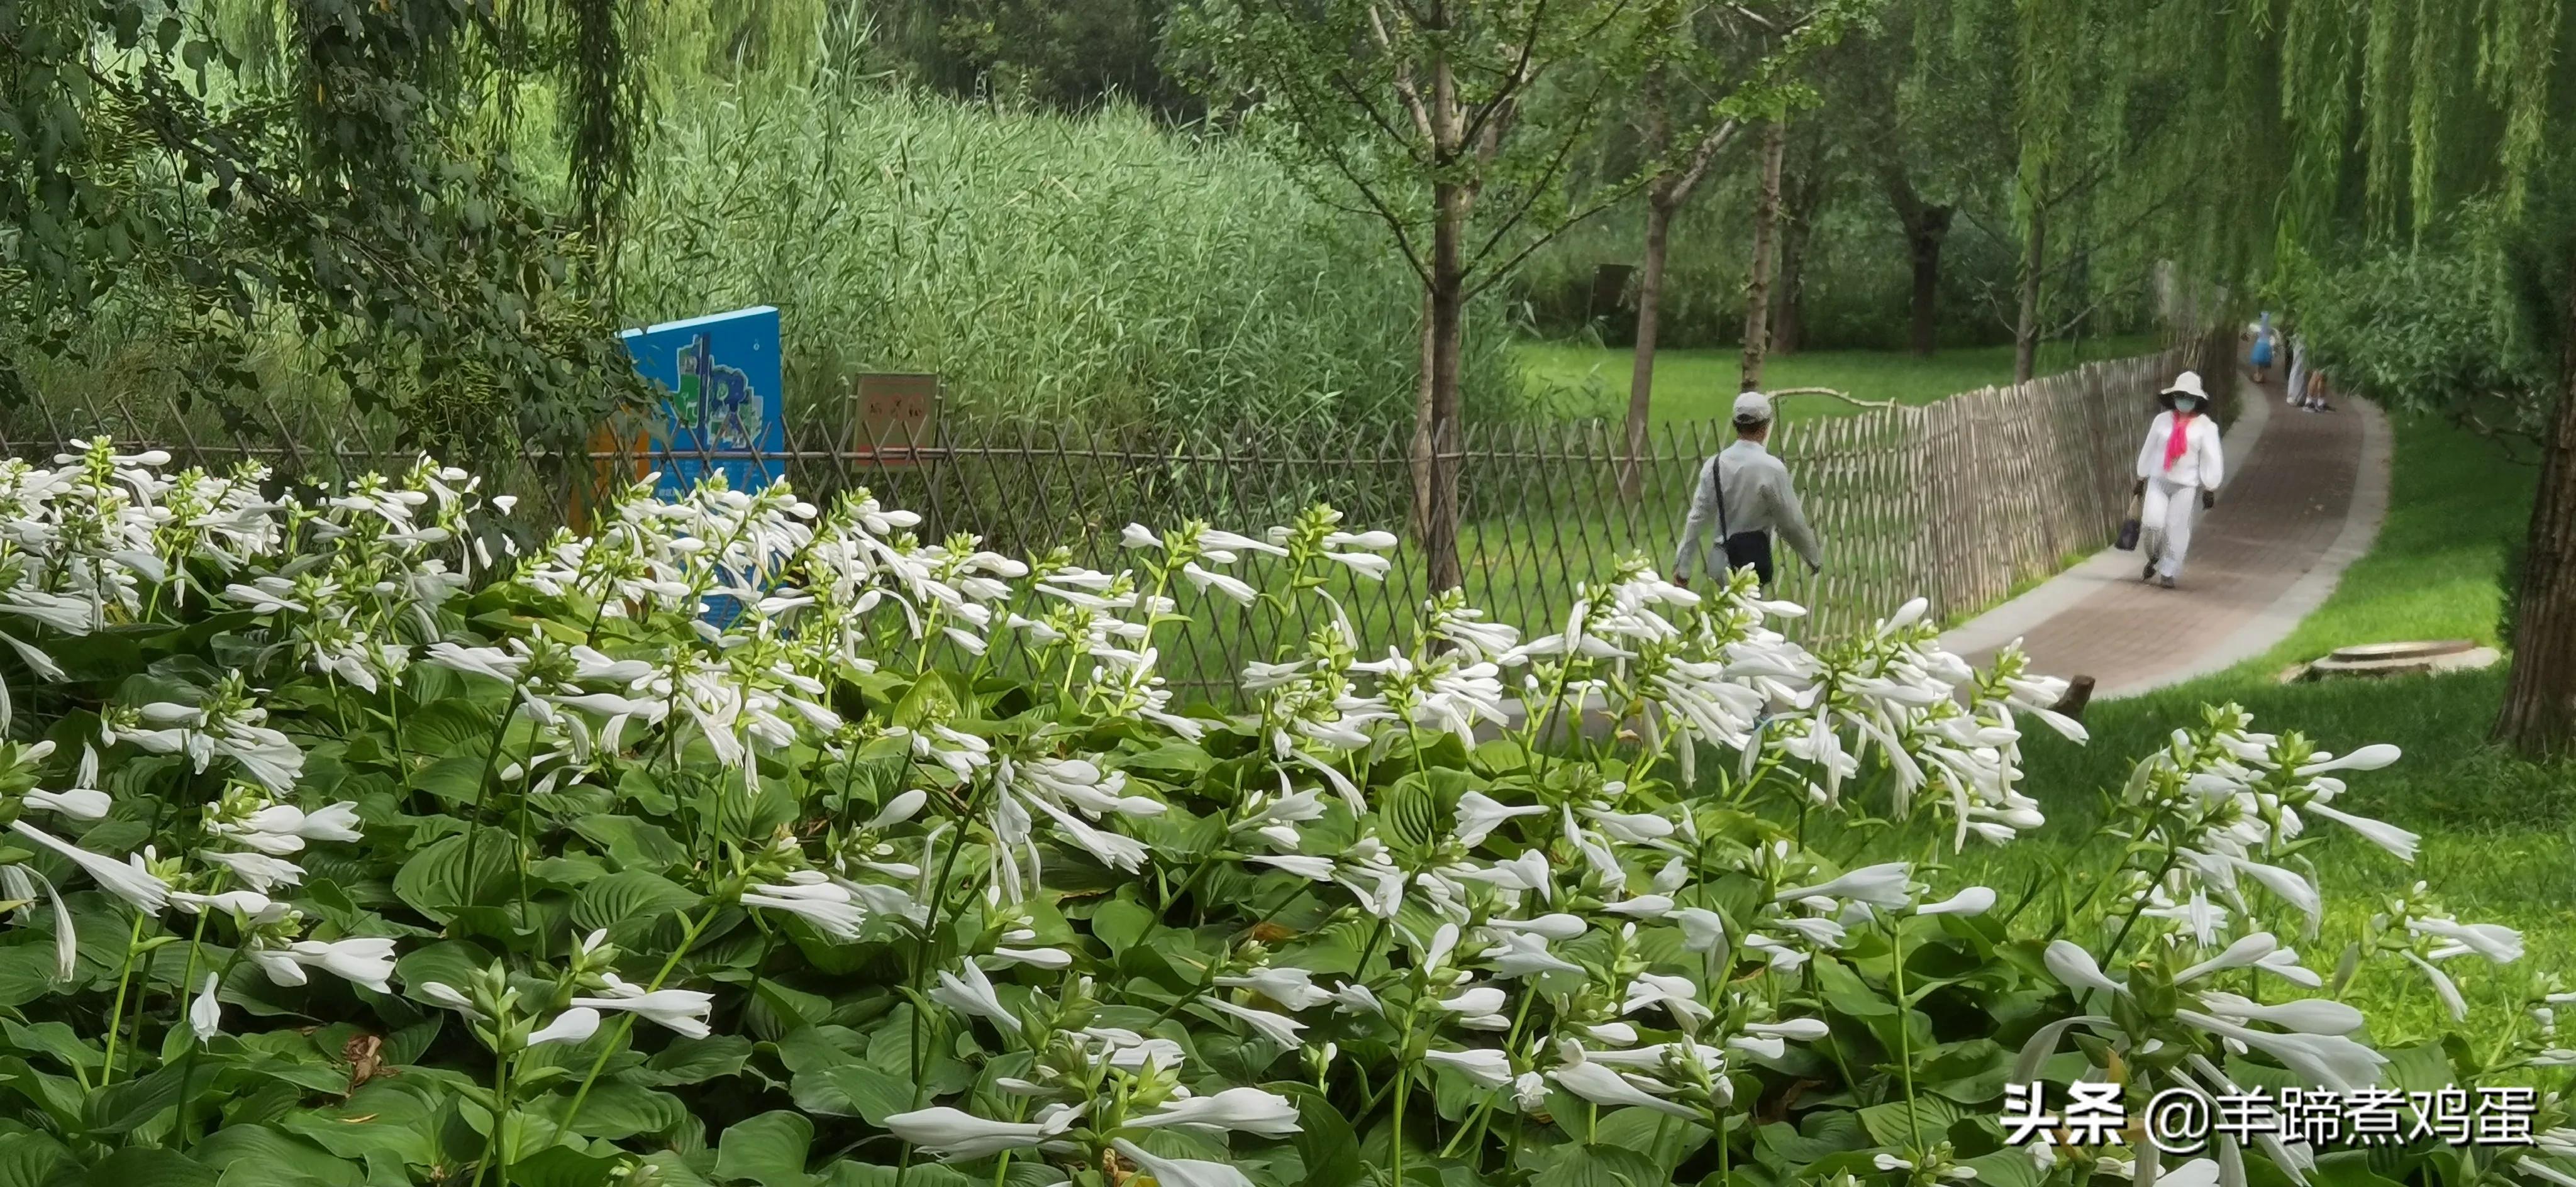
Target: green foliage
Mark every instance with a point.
(1058, 270)
(352, 192)
(819, 897)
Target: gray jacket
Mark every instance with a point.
(1758, 499)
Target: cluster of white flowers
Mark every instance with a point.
(1554, 928)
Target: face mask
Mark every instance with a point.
(2186, 405)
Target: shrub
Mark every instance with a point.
(343, 856)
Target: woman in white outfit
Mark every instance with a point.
(2179, 469)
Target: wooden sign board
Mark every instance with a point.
(894, 416)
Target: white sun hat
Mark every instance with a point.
(2187, 383)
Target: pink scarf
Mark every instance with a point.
(2180, 441)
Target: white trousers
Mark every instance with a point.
(2165, 523)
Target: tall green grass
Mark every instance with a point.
(1099, 270)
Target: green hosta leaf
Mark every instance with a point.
(769, 1150)
(694, 1061)
(632, 843)
(1890, 1125)
(2005, 1168)
(1666, 1140)
(617, 1110)
(1120, 924)
(1600, 1166)
(145, 1166)
(257, 1156)
(435, 880)
(29, 1159)
(853, 1089)
(456, 778)
(563, 1166)
(27, 972)
(628, 901)
(1324, 1139)
(922, 1174)
(454, 726)
(1410, 813)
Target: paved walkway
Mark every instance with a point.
(2304, 496)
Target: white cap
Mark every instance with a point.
(1752, 408)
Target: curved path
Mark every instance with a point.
(2304, 496)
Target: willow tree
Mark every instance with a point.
(1457, 125)
(2417, 127)
(339, 172)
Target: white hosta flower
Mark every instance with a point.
(1179, 1172)
(2292, 886)
(1317, 869)
(1675, 994)
(830, 908)
(127, 880)
(2397, 841)
(2443, 987)
(1486, 1067)
(1526, 955)
(1881, 885)
(969, 991)
(360, 960)
(448, 996)
(1975, 900)
(1804, 1030)
(2243, 953)
(2314, 1015)
(1479, 815)
(79, 803)
(258, 870)
(1292, 988)
(1244, 1110)
(2331, 1061)
(2368, 758)
(2285, 965)
(253, 907)
(682, 1011)
(1051, 959)
(2075, 968)
(1644, 906)
(1703, 930)
(1351, 997)
(1601, 1085)
(2496, 942)
(205, 1013)
(571, 1026)
(1558, 926)
(1280, 1029)
(960, 1136)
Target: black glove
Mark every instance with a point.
(2208, 499)
(2139, 489)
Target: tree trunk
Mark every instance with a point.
(1437, 435)
(1923, 242)
(1766, 229)
(1641, 372)
(1797, 226)
(2539, 717)
(2034, 256)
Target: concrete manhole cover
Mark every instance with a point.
(2387, 651)
(2396, 659)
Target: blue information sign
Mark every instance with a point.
(722, 393)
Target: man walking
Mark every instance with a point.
(1742, 495)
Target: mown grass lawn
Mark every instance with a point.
(1590, 381)
(2499, 835)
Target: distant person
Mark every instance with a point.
(2262, 353)
(1743, 494)
(2298, 369)
(2179, 469)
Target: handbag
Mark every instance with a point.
(2128, 541)
(1744, 550)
